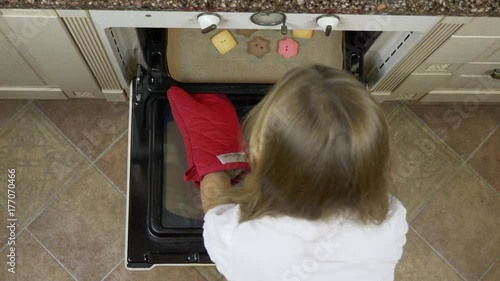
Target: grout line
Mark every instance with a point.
(434, 134)
(64, 135)
(475, 151)
(392, 111)
(109, 146)
(438, 190)
(488, 185)
(109, 180)
(438, 254)
(6, 123)
(112, 269)
(482, 143)
(205, 278)
(450, 177)
(94, 164)
(76, 147)
(50, 253)
(69, 184)
(489, 268)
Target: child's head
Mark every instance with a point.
(318, 146)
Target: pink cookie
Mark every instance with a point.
(288, 48)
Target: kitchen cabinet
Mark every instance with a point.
(18, 78)
(39, 59)
(15, 70)
(92, 54)
(461, 68)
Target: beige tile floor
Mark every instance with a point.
(70, 160)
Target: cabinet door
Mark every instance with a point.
(461, 49)
(43, 41)
(460, 68)
(14, 70)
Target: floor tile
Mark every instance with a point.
(92, 125)
(461, 223)
(84, 228)
(114, 163)
(9, 108)
(33, 262)
(493, 274)
(389, 107)
(420, 262)
(462, 126)
(420, 163)
(486, 160)
(170, 273)
(43, 161)
(210, 273)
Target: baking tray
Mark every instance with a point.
(192, 58)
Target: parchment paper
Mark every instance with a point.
(191, 57)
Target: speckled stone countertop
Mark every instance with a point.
(393, 7)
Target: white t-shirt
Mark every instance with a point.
(290, 249)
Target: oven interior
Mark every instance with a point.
(165, 217)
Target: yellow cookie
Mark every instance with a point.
(302, 33)
(224, 41)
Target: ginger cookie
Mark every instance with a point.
(258, 47)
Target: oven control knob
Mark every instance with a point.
(327, 22)
(208, 21)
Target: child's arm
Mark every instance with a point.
(212, 187)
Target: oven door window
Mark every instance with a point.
(181, 199)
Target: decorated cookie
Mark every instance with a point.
(224, 42)
(258, 47)
(288, 48)
(245, 32)
(302, 33)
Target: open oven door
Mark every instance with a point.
(164, 215)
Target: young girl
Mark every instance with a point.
(315, 205)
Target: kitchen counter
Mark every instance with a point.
(395, 7)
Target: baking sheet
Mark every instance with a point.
(191, 57)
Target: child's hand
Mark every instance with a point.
(212, 187)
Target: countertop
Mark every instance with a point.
(395, 7)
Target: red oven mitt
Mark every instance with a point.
(211, 133)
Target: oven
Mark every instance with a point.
(153, 51)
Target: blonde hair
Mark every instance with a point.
(318, 146)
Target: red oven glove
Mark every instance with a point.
(211, 133)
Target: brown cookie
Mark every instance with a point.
(258, 47)
(245, 32)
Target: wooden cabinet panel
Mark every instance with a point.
(480, 96)
(14, 70)
(485, 26)
(461, 50)
(31, 93)
(57, 60)
(421, 83)
(472, 82)
(491, 54)
(477, 69)
(42, 40)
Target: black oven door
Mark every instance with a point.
(164, 215)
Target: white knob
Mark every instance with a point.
(327, 22)
(208, 21)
